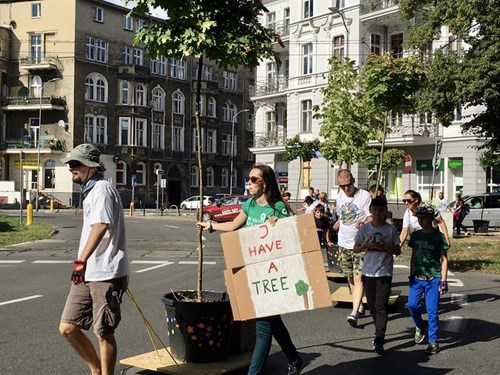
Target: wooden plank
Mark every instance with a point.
(166, 365)
(335, 275)
(343, 294)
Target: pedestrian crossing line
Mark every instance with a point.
(455, 282)
(52, 261)
(163, 264)
(400, 266)
(20, 299)
(11, 261)
(459, 299)
(195, 262)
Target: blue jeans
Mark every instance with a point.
(265, 329)
(431, 290)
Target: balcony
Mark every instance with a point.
(376, 5)
(207, 86)
(271, 87)
(411, 131)
(380, 12)
(46, 142)
(270, 138)
(26, 103)
(39, 63)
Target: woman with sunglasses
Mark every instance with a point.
(266, 204)
(412, 200)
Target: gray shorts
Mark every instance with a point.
(95, 303)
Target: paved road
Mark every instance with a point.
(162, 256)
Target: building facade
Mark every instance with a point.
(80, 78)
(312, 32)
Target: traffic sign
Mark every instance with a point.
(408, 163)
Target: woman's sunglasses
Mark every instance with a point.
(74, 164)
(254, 179)
(408, 200)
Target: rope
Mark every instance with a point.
(150, 330)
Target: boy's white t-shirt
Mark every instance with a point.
(351, 210)
(378, 263)
(109, 260)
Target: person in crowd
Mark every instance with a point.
(322, 226)
(353, 210)
(100, 273)
(266, 204)
(323, 201)
(460, 211)
(442, 203)
(377, 191)
(380, 242)
(412, 200)
(307, 205)
(428, 276)
(286, 198)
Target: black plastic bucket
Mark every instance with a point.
(199, 331)
(480, 226)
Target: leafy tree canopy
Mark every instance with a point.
(392, 158)
(297, 149)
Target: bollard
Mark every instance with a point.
(51, 205)
(131, 208)
(29, 214)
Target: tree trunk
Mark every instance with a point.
(298, 184)
(199, 285)
(379, 176)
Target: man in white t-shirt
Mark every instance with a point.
(353, 210)
(442, 203)
(100, 273)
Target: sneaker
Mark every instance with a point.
(353, 319)
(361, 311)
(419, 334)
(432, 348)
(296, 367)
(378, 345)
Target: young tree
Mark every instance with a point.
(226, 32)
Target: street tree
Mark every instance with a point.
(392, 158)
(228, 33)
(472, 76)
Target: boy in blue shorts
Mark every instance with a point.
(428, 274)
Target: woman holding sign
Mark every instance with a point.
(266, 204)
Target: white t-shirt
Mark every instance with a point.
(443, 204)
(109, 260)
(378, 263)
(410, 221)
(351, 210)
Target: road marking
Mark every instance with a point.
(52, 261)
(400, 266)
(455, 282)
(171, 226)
(459, 299)
(161, 264)
(20, 299)
(11, 261)
(195, 262)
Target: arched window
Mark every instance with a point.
(210, 177)
(225, 177)
(232, 112)
(195, 178)
(226, 109)
(50, 174)
(140, 94)
(96, 88)
(36, 86)
(211, 107)
(203, 103)
(178, 103)
(125, 92)
(139, 173)
(158, 96)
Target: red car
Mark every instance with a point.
(225, 209)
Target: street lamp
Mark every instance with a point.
(232, 151)
(38, 142)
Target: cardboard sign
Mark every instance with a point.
(276, 269)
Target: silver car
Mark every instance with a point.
(483, 207)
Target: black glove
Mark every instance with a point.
(443, 287)
(78, 275)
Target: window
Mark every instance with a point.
(138, 56)
(397, 45)
(211, 141)
(139, 173)
(224, 178)
(458, 112)
(95, 129)
(36, 10)
(207, 73)
(158, 136)
(423, 118)
(96, 88)
(211, 107)
(340, 4)
(271, 73)
(307, 173)
(140, 132)
(250, 122)
(210, 176)
(271, 20)
(124, 134)
(270, 121)
(226, 144)
(140, 94)
(307, 53)
(124, 92)
(96, 49)
(228, 112)
(36, 48)
(127, 22)
(121, 173)
(308, 8)
(50, 174)
(177, 138)
(178, 103)
(138, 24)
(194, 176)
(98, 14)
(177, 68)
(338, 47)
(234, 178)
(158, 66)
(158, 96)
(251, 90)
(306, 111)
(101, 50)
(229, 80)
(376, 44)
(127, 55)
(286, 21)
(202, 105)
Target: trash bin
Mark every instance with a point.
(480, 226)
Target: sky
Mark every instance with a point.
(131, 4)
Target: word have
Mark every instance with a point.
(266, 247)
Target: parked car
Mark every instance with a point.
(226, 209)
(487, 203)
(193, 203)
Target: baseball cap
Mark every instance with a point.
(87, 154)
(425, 209)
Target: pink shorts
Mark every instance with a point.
(95, 303)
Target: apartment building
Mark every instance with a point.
(79, 78)
(312, 32)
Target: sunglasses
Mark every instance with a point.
(408, 200)
(346, 186)
(74, 164)
(254, 179)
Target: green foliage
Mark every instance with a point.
(392, 158)
(490, 159)
(297, 149)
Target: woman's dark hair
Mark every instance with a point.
(271, 188)
(415, 195)
(308, 200)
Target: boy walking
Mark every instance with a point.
(428, 274)
(380, 241)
